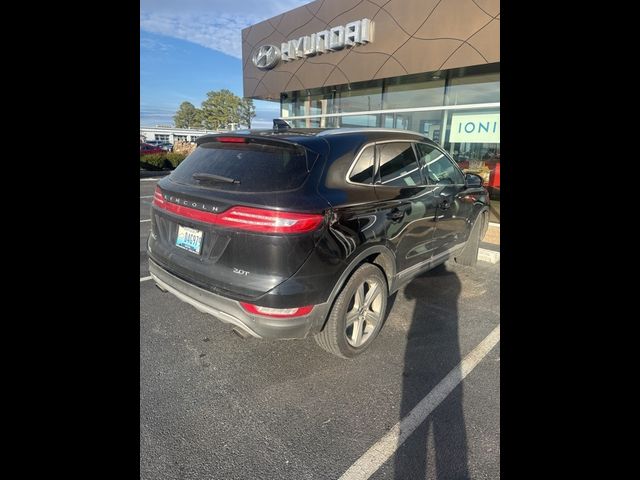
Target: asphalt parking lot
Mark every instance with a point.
(215, 406)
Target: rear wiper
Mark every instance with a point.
(209, 177)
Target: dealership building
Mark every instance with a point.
(171, 134)
(424, 65)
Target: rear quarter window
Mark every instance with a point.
(362, 170)
(258, 167)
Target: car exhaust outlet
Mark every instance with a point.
(160, 288)
(242, 334)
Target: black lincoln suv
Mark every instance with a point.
(286, 233)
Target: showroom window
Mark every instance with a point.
(427, 123)
(474, 85)
(424, 90)
(353, 121)
(473, 140)
(362, 98)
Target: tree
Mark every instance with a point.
(220, 108)
(187, 116)
(247, 111)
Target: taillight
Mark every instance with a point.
(158, 199)
(231, 139)
(269, 221)
(276, 312)
(245, 218)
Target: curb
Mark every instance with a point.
(489, 256)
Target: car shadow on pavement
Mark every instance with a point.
(438, 447)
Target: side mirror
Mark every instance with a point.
(473, 181)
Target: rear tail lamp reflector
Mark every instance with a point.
(276, 312)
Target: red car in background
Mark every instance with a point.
(490, 172)
(494, 180)
(146, 149)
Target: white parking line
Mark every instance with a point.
(149, 179)
(493, 224)
(382, 450)
(144, 279)
(147, 220)
(146, 196)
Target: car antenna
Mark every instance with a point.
(279, 125)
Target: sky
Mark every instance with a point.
(191, 47)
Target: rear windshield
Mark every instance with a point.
(257, 167)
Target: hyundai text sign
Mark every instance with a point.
(359, 32)
(475, 128)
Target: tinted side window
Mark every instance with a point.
(437, 167)
(398, 165)
(362, 171)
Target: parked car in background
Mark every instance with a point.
(299, 232)
(165, 146)
(148, 149)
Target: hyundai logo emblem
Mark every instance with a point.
(266, 57)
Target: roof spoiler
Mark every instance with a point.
(279, 125)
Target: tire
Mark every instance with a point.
(469, 254)
(366, 313)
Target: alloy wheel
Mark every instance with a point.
(364, 312)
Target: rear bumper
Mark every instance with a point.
(230, 311)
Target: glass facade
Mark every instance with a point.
(448, 106)
(481, 158)
(465, 88)
(413, 91)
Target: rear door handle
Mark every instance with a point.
(397, 213)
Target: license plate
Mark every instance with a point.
(190, 239)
